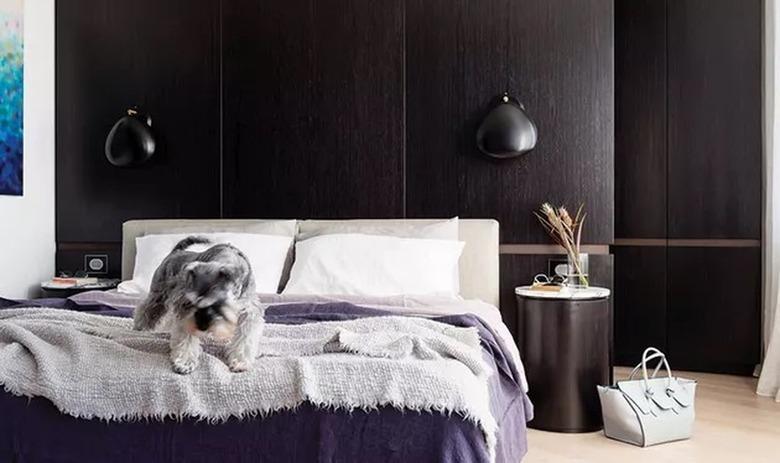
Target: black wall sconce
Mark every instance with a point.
(506, 131)
(131, 141)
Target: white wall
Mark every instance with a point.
(27, 244)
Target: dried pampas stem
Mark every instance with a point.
(565, 231)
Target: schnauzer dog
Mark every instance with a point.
(209, 294)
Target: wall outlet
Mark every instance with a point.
(96, 264)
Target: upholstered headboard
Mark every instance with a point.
(478, 264)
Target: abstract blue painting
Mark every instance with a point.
(11, 96)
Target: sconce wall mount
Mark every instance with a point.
(506, 131)
(131, 141)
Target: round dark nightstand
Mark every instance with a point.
(565, 347)
(60, 292)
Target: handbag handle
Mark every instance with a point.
(649, 354)
(655, 353)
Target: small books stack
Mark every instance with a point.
(64, 283)
(548, 287)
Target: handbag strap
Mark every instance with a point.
(649, 354)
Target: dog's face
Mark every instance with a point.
(211, 289)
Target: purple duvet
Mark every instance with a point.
(33, 430)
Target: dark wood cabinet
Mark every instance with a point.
(714, 316)
(313, 108)
(565, 344)
(688, 167)
(640, 300)
(520, 269)
(715, 85)
(640, 119)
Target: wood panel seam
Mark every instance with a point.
(543, 249)
(689, 242)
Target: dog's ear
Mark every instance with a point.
(190, 269)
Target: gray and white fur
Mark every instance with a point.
(204, 294)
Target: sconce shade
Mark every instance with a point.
(506, 131)
(131, 141)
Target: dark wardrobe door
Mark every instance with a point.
(640, 119)
(715, 183)
(555, 56)
(715, 118)
(688, 169)
(313, 108)
(164, 57)
(640, 299)
(714, 316)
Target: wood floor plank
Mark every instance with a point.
(733, 424)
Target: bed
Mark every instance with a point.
(34, 429)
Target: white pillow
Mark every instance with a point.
(436, 230)
(447, 229)
(266, 255)
(369, 265)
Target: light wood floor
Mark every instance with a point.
(732, 425)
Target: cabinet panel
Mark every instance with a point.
(640, 119)
(714, 309)
(163, 57)
(314, 108)
(640, 301)
(715, 118)
(556, 56)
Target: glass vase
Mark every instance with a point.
(577, 275)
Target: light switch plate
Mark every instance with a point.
(554, 262)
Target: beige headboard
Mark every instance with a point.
(478, 264)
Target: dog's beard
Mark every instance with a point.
(221, 328)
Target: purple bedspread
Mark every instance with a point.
(33, 430)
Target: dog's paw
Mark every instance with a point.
(184, 366)
(238, 365)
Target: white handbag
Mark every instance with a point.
(650, 410)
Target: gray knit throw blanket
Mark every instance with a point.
(93, 366)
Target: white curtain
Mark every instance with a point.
(769, 381)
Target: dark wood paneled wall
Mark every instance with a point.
(348, 108)
(314, 108)
(164, 57)
(688, 182)
(557, 58)
(334, 108)
(340, 108)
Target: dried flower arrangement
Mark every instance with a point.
(565, 231)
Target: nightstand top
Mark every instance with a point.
(592, 292)
(101, 284)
